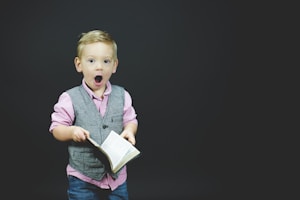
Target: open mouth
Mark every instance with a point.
(98, 78)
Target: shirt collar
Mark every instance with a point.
(91, 93)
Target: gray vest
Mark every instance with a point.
(82, 156)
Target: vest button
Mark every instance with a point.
(104, 126)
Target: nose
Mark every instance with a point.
(99, 66)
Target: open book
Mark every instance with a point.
(117, 149)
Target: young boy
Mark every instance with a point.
(93, 109)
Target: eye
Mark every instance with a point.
(107, 61)
(91, 60)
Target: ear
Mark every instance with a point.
(77, 64)
(115, 65)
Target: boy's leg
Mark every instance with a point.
(120, 193)
(79, 190)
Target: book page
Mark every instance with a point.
(116, 147)
(118, 150)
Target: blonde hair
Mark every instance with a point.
(96, 36)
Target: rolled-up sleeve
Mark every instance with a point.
(63, 113)
(130, 115)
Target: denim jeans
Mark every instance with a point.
(79, 190)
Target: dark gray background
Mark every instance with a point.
(186, 65)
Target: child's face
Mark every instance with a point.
(97, 64)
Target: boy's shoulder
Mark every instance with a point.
(75, 88)
(114, 86)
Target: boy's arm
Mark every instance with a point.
(66, 133)
(129, 132)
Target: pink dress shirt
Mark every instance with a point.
(64, 115)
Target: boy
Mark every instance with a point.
(94, 108)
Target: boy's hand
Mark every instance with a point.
(79, 134)
(129, 136)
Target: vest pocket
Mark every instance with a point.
(116, 123)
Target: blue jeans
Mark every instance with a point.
(79, 190)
